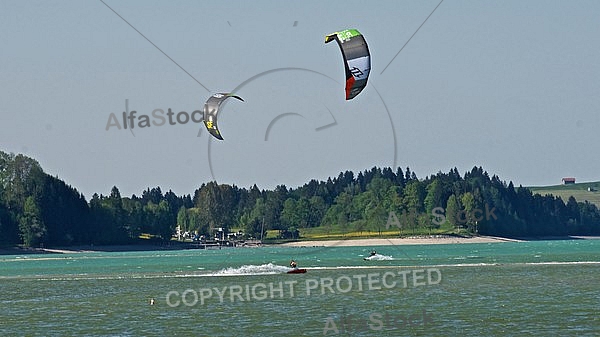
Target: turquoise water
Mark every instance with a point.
(536, 288)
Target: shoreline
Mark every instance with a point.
(17, 250)
(425, 240)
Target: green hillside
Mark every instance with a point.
(579, 191)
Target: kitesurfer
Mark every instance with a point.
(293, 264)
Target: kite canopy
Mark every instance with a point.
(357, 60)
(211, 109)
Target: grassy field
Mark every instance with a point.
(578, 191)
(322, 233)
(336, 233)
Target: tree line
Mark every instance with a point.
(38, 209)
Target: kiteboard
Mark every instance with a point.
(297, 271)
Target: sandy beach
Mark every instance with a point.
(399, 241)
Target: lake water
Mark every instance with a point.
(538, 288)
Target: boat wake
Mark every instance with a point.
(263, 269)
(379, 257)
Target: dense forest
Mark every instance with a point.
(37, 209)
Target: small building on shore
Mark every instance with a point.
(567, 181)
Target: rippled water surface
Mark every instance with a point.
(537, 288)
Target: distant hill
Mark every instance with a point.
(579, 191)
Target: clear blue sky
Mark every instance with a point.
(508, 85)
